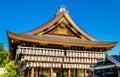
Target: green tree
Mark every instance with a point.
(106, 54)
(3, 56)
(2, 47)
(12, 70)
(45, 73)
(81, 73)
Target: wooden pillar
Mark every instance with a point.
(76, 72)
(62, 71)
(85, 73)
(51, 72)
(32, 72)
(118, 73)
(68, 73)
(38, 71)
(27, 73)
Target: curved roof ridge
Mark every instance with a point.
(54, 20)
(79, 29)
(112, 59)
(44, 26)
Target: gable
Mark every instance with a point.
(54, 27)
(62, 28)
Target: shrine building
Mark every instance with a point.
(56, 46)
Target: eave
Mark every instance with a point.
(28, 38)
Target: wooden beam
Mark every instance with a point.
(68, 73)
(51, 72)
(32, 72)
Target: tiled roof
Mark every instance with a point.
(62, 39)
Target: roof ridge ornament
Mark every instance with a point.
(62, 9)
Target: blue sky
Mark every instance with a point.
(99, 18)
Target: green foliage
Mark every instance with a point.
(81, 73)
(3, 56)
(72, 73)
(2, 47)
(106, 54)
(11, 69)
(64, 73)
(45, 74)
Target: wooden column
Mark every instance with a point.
(51, 72)
(85, 73)
(62, 71)
(118, 73)
(76, 72)
(38, 71)
(32, 72)
(27, 73)
(68, 73)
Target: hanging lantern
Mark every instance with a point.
(81, 60)
(67, 53)
(46, 52)
(87, 54)
(92, 55)
(88, 66)
(39, 52)
(53, 65)
(34, 64)
(73, 54)
(59, 53)
(85, 60)
(70, 53)
(31, 64)
(36, 52)
(27, 64)
(29, 51)
(46, 65)
(80, 66)
(38, 64)
(103, 55)
(25, 51)
(18, 51)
